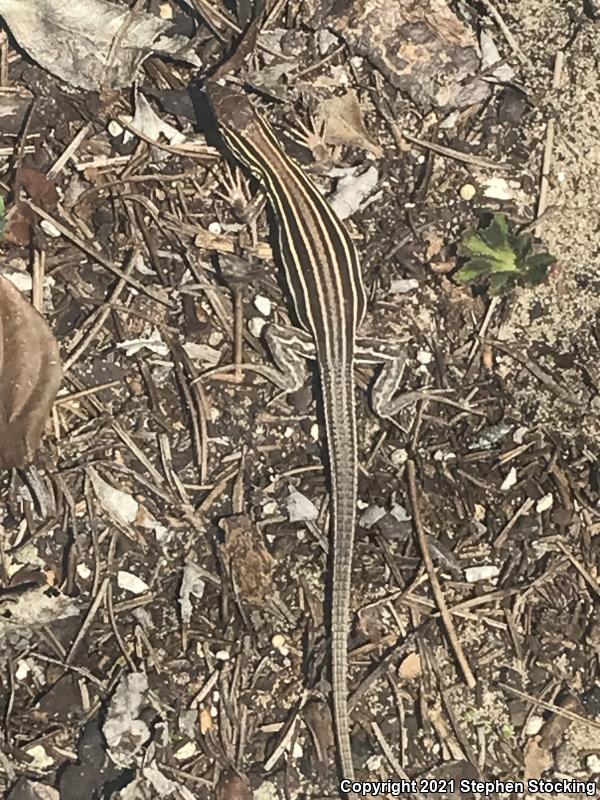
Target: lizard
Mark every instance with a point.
(328, 296)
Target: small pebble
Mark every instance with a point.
(256, 325)
(215, 227)
(278, 641)
(222, 655)
(467, 191)
(509, 481)
(131, 583)
(544, 503)
(404, 285)
(482, 573)
(593, 764)
(374, 763)
(424, 357)
(84, 571)
(534, 725)
(497, 189)
(49, 228)
(263, 304)
(188, 750)
(22, 670)
(399, 456)
(114, 128)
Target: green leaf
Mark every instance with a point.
(500, 282)
(522, 243)
(496, 234)
(472, 269)
(497, 254)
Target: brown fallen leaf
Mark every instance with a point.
(233, 787)
(30, 374)
(341, 118)
(410, 669)
(20, 218)
(250, 562)
(537, 758)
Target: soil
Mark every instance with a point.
(167, 550)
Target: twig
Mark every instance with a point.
(433, 579)
(457, 155)
(561, 712)
(549, 142)
(581, 569)
(72, 237)
(92, 611)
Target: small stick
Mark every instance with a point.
(457, 155)
(435, 585)
(238, 330)
(69, 150)
(561, 712)
(549, 142)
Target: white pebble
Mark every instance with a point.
(482, 573)
(263, 305)
(534, 725)
(256, 325)
(22, 670)
(544, 503)
(188, 750)
(131, 583)
(467, 191)
(49, 228)
(399, 456)
(509, 481)
(222, 655)
(215, 227)
(114, 128)
(497, 189)
(593, 764)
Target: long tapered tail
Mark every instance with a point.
(337, 384)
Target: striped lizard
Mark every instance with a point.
(328, 296)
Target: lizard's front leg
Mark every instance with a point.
(290, 348)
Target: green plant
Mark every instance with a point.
(499, 256)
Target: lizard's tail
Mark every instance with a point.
(340, 418)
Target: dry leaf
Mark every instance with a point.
(233, 787)
(410, 668)
(341, 118)
(120, 505)
(251, 563)
(76, 40)
(124, 731)
(20, 218)
(34, 608)
(205, 720)
(537, 760)
(30, 374)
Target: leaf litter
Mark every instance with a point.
(191, 446)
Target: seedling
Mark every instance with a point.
(500, 257)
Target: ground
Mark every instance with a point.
(166, 551)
